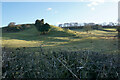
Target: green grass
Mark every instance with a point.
(59, 38)
(32, 38)
(96, 51)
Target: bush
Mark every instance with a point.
(46, 27)
(49, 64)
(41, 27)
(11, 24)
(16, 28)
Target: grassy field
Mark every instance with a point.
(62, 53)
(62, 38)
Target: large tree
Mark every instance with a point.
(41, 27)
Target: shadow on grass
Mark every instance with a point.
(106, 30)
(26, 35)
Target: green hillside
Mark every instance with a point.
(59, 38)
(30, 54)
(31, 37)
(33, 34)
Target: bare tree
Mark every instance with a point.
(66, 24)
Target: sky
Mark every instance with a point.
(56, 13)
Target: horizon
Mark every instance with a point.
(56, 13)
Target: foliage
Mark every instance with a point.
(46, 27)
(87, 28)
(100, 27)
(41, 27)
(20, 63)
(97, 26)
(118, 28)
(16, 28)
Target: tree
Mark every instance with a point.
(100, 27)
(87, 28)
(47, 27)
(39, 24)
(41, 27)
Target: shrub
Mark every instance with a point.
(16, 28)
(46, 27)
(11, 24)
(59, 64)
(118, 29)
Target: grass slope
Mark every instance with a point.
(31, 37)
(59, 38)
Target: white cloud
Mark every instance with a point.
(49, 9)
(94, 3)
(92, 8)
